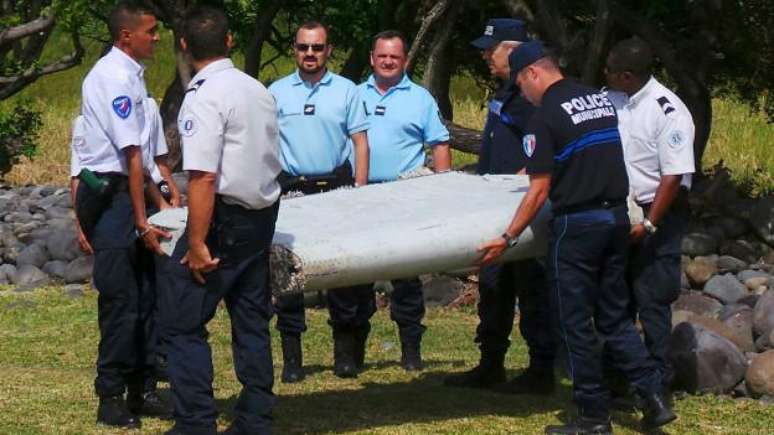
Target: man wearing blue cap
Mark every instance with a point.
(499, 284)
(575, 157)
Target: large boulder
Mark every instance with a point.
(440, 290)
(697, 303)
(725, 288)
(63, 245)
(741, 249)
(704, 361)
(29, 275)
(742, 340)
(34, 254)
(740, 325)
(760, 375)
(79, 270)
(700, 270)
(727, 263)
(763, 314)
(696, 244)
(55, 268)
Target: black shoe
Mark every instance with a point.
(411, 357)
(582, 426)
(656, 411)
(532, 381)
(149, 404)
(343, 354)
(487, 373)
(361, 337)
(112, 411)
(292, 359)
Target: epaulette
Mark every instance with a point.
(195, 87)
(666, 106)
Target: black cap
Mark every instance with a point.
(525, 55)
(498, 30)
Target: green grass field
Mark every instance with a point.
(741, 139)
(49, 339)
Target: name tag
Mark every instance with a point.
(308, 109)
(379, 110)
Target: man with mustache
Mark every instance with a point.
(318, 112)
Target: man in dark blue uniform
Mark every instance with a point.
(575, 157)
(499, 284)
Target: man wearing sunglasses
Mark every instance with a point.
(319, 112)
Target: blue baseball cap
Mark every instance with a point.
(498, 30)
(525, 55)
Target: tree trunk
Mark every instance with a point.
(433, 15)
(357, 62)
(261, 32)
(594, 54)
(438, 70)
(170, 106)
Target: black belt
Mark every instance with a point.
(308, 184)
(590, 205)
(118, 181)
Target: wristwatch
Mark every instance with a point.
(510, 241)
(649, 227)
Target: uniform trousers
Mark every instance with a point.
(240, 238)
(590, 300)
(122, 274)
(499, 285)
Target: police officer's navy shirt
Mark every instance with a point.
(573, 135)
(506, 123)
(401, 121)
(112, 107)
(315, 122)
(657, 132)
(228, 126)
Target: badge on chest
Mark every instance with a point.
(308, 109)
(380, 110)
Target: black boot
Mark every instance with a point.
(656, 411)
(411, 356)
(361, 337)
(149, 403)
(489, 371)
(344, 354)
(582, 426)
(112, 411)
(539, 381)
(292, 359)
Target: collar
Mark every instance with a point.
(404, 83)
(324, 80)
(643, 92)
(212, 68)
(127, 61)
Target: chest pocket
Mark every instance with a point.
(496, 108)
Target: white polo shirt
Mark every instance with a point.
(657, 133)
(154, 143)
(228, 126)
(113, 111)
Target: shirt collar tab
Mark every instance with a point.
(212, 68)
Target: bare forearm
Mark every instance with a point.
(530, 206)
(360, 143)
(201, 203)
(666, 193)
(136, 182)
(441, 157)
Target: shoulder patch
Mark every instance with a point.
(188, 125)
(666, 106)
(122, 106)
(676, 138)
(529, 143)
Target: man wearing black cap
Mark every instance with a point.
(500, 284)
(575, 157)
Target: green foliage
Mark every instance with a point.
(18, 134)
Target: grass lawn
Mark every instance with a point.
(49, 339)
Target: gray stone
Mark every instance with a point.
(59, 213)
(741, 249)
(760, 375)
(697, 303)
(8, 239)
(25, 227)
(725, 288)
(55, 268)
(740, 323)
(741, 390)
(749, 300)
(440, 290)
(768, 257)
(763, 343)
(74, 290)
(732, 309)
(64, 201)
(743, 342)
(762, 218)
(700, 270)
(6, 272)
(749, 273)
(732, 227)
(704, 361)
(34, 254)
(763, 314)
(10, 253)
(696, 244)
(685, 283)
(63, 245)
(29, 274)
(756, 284)
(79, 270)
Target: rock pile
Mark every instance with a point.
(723, 321)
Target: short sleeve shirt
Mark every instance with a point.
(228, 126)
(574, 137)
(506, 122)
(657, 132)
(402, 121)
(113, 99)
(315, 122)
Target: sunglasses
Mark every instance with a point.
(317, 48)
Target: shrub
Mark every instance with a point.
(18, 134)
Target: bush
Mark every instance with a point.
(18, 134)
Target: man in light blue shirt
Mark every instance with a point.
(403, 118)
(322, 127)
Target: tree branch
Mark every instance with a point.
(40, 24)
(261, 31)
(599, 36)
(427, 21)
